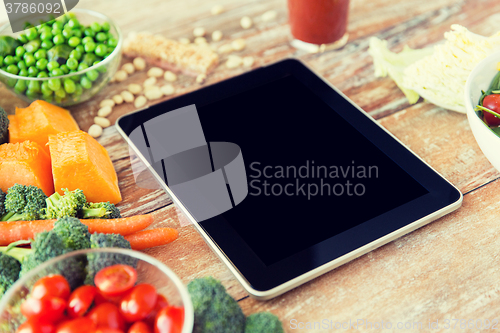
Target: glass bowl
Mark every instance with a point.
(149, 270)
(105, 69)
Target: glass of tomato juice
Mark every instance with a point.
(318, 25)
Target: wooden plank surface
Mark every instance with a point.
(446, 270)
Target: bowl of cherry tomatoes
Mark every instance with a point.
(482, 101)
(134, 294)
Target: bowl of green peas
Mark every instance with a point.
(65, 61)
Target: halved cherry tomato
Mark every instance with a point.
(161, 302)
(51, 286)
(138, 303)
(107, 315)
(139, 327)
(50, 308)
(80, 301)
(492, 102)
(170, 320)
(78, 325)
(35, 325)
(115, 280)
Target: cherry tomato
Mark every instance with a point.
(139, 327)
(78, 325)
(161, 302)
(115, 280)
(138, 302)
(80, 301)
(492, 102)
(107, 315)
(107, 330)
(35, 325)
(101, 298)
(170, 320)
(51, 286)
(50, 308)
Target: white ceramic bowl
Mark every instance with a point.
(480, 79)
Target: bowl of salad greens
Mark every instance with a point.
(106, 288)
(65, 61)
(482, 101)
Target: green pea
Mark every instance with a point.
(58, 25)
(40, 54)
(96, 27)
(12, 69)
(56, 32)
(1, 61)
(60, 92)
(72, 63)
(54, 84)
(78, 89)
(34, 86)
(48, 98)
(89, 47)
(56, 72)
(80, 49)
(92, 75)
(86, 83)
(87, 39)
(112, 42)
(46, 91)
(74, 41)
(42, 74)
(64, 68)
(11, 82)
(46, 35)
(67, 33)
(89, 32)
(71, 15)
(82, 66)
(77, 33)
(20, 51)
(47, 44)
(52, 65)
(44, 28)
(101, 36)
(32, 46)
(89, 59)
(75, 54)
(30, 61)
(32, 71)
(23, 72)
(69, 86)
(106, 26)
(101, 50)
(31, 34)
(21, 65)
(75, 78)
(42, 64)
(73, 23)
(20, 86)
(31, 94)
(58, 39)
(8, 60)
(22, 38)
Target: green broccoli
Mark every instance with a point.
(263, 322)
(98, 261)
(2, 203)
(24, 203)
(9, 273)
(75, 234)
(100, 210)
(215, 311)
(4, 127)
(68, 204)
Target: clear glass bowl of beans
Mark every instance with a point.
(65, 61)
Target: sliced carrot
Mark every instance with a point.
(150, 238)
(22, 230)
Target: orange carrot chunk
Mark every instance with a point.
(153, 237)
(22, 230)
(124, 226)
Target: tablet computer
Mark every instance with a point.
(283, 176)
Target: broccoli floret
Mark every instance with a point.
(100, 210)
(215, 311)
(4, 127)
(263, 322)
(68, 204)
(24, 203)
(98, 261)
(2, 203)
(9, 273)
(75, 234)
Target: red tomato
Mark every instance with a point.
(107, 315)
(139, 327)
(51, 286)
(161, 302)
(78, 325)
(115, 280)
(138, 303)
(170, 320)
(107, 330)
(50, 308)
(80, 301)
(100, 298)
(34, 325)
(492, 102)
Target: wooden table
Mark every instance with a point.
(446, 270)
